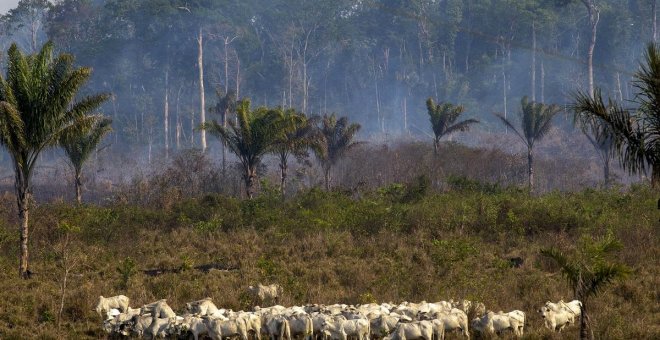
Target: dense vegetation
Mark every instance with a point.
(375, 61)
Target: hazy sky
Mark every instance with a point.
(6, 5)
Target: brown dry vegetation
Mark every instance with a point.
(448, 237)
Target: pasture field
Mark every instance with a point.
(396, 243)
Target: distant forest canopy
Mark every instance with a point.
(375, 61)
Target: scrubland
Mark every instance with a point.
(398, 242)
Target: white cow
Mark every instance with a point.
(556, 320)
(277, 327)
(265, 294)
(106, 304)
(455, 319)
(574, 307)
(357, 328)
(413, 330)
(301, 325)
(333, 328)
(202, 307)
(383, 326)
(159, 309)
(193, 324)
(497, 322)
(219, 329)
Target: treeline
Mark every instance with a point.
(374, 61)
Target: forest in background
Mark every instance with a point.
(374, 61)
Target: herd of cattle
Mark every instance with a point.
(427, 321)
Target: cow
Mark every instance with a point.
(219, 329)
(106, 304)
(159, 309)
(202, 307)
(192, 324)
(413, 330)
(265, 294)
(454, 320)
(301, 325)
(574, 307)
(498, 322)
(556, 319)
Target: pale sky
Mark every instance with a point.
(6, 5)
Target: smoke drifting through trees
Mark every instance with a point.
(373, 61)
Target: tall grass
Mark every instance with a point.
(400, 242)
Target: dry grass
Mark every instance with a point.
(328, 248)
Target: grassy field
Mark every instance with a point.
(396, 243)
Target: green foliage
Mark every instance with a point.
(462, 183)
(126, 269)
(590, 267)
(635, 131)
(535, 120)
(267, 268)
(443, 118)
(255, 134)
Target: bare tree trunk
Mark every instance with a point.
(238, 76)
(23, 200)
(606, 170)
(202, 103)
(594, 17)
(78, 185)
(167, 114)
(405, 114)
(283, 173)
(63, 295)
(504, 92)
(380, 119)
(250, 177)
(530, 169)
(436, 144)
(542, 82)
(178, 120)
(618, 86)
(655, 23)
(534, 61)
(327, 178)
(655, 176)
(586, 333)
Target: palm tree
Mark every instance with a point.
(600, 136)
(443, 117)
(79, 147)
(37, 109)
(635, 133)
(298, 136)
(588, 270)
(225, 106)
(335, 139)
(253, 136)
(536, 120)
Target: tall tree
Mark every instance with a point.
(299, 134)
(253, 136)
(536, 120)
(601, 137)
(225, 106)
(80, 146)
(636, 133)
(588, 269)
(593, 13)
(37, 109)
(336, 138)
(26, 22)
(443, 120)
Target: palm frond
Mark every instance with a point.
(510, 125)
